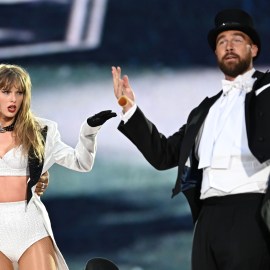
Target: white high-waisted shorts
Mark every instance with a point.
(19, 229)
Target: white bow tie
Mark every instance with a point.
(238, 84)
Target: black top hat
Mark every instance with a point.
(100, 264)
(233, 19)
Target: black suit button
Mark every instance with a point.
(261, 139)
(261, 114)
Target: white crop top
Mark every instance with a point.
(14, 163)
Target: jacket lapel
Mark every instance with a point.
(250, 97)
(194, 124)
(35, 167)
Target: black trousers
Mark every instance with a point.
(230, 235)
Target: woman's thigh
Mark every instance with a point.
(5, 262)
(41, 255)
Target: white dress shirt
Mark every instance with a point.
(222, 146)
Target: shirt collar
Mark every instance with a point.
(241, 82)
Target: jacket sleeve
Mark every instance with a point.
(160, 151)
(81, 158)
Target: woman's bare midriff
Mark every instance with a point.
(13, 188)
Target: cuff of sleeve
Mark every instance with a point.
(126, 116)
(86, 129)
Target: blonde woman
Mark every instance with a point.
(29, 146)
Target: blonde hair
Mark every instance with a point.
(27, 131)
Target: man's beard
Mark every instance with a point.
(235, 69)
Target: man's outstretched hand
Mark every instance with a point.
(100, 118)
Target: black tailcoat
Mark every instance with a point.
(168, 152)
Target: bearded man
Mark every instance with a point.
(222, 152)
